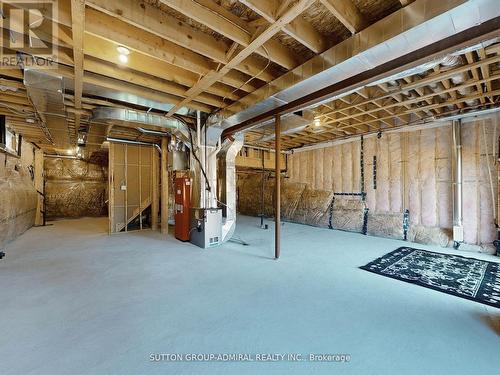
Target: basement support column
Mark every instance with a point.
(39, 186)
(277, 203)
(458, 233)
(164, 185)
(154, 195)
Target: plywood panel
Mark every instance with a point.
(133, 192)
(130, 166)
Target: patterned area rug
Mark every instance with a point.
(470, 278)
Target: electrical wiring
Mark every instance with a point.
(207, 183)
(246, 82)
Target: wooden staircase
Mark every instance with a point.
(139, 210)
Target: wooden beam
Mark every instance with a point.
(267, 34)
(106, 50)
(147, 81)
(441, 105)
(347, 13)
(430, 79)
(77, 27)
(232, 27)
(149, 18)
(164, 185)
(176, 77)
(418, 99)
(112, 29)
(299, 29)
(127, 87)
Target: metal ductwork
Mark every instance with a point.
(46, 92)
(227, 184)
(121, 116)
(418, 25)
(90, 89)
(290, 124)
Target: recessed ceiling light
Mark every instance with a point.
(123, 50)
(123, 58)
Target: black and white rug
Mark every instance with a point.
(470, 278)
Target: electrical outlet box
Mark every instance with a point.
(123, 187)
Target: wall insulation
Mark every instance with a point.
(18, 198)
(75, 188)
(413, 170)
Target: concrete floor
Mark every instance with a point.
(75, 300)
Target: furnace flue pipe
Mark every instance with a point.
(277, 203)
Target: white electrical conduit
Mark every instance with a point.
(492, 189)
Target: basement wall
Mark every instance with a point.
(18, 197)
(413, 171)
(75, 188)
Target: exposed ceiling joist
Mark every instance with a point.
(104, 50)
(150, 19)
(267, 34)
(227, 24)
(114, 30)
(299, 29)
(347, 13)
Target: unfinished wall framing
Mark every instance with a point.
(413, 172)
(131, 186)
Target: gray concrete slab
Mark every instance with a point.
(74, 300)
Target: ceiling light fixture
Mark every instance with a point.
(123, 59)
(123, 50)
(317, 122)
